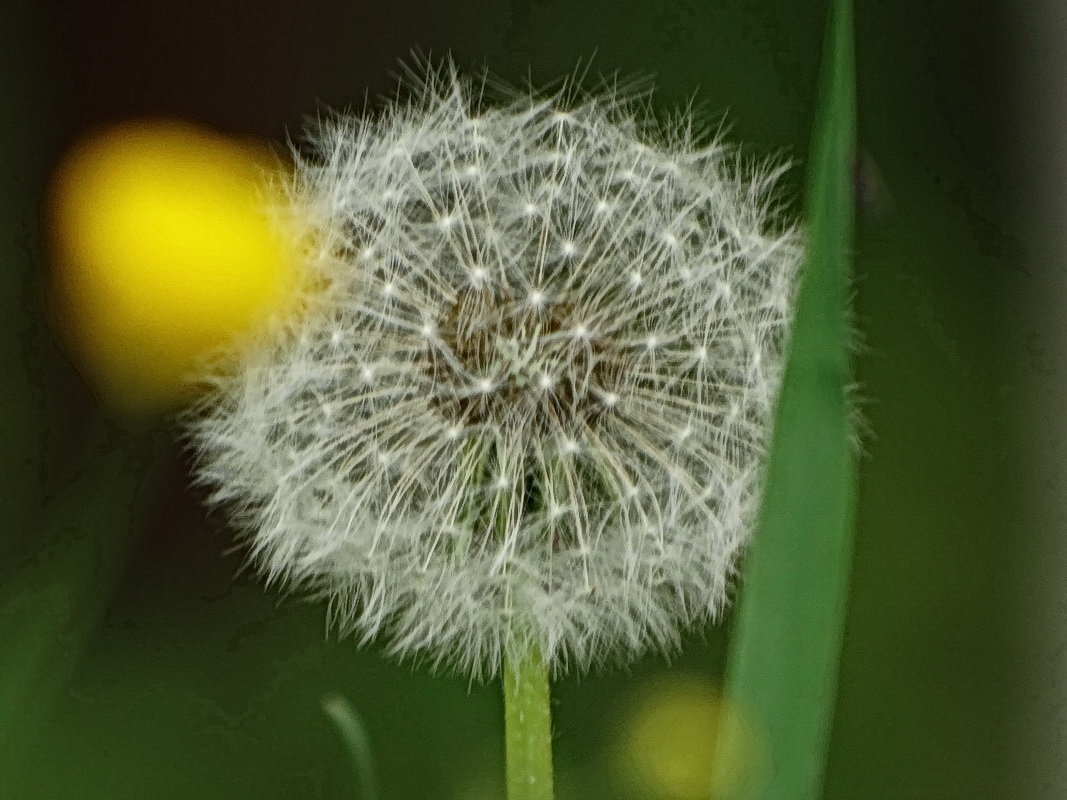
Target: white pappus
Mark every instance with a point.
(528, 399)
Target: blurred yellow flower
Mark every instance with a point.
(164, 247)
(669, 738)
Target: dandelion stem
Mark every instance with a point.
(528, 727)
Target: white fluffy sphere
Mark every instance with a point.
(529, 399)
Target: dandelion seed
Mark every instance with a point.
(496, 468)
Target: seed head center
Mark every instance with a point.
(500, 359)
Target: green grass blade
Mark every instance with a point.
(785, 646)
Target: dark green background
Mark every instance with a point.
(199, 684)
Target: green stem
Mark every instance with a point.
(350, 726)
(528, 728)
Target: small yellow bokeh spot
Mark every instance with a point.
(164, 247)
(669, 740)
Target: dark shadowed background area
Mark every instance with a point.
(199, 683)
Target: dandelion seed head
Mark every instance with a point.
(511, 441)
